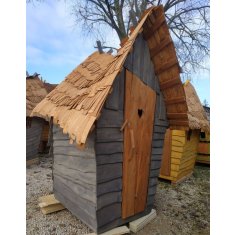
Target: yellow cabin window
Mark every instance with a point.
(202, 135)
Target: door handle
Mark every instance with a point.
(132, 139)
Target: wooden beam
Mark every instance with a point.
(170, 83)
(158, 22)
(175, 100)
(167, 40)
(177, 115)
(178, 123)
(115, 231)
(138, 224)
(170, 63)
(49, 204)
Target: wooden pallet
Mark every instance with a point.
(116, 231)
(49, 204)
(140, 223)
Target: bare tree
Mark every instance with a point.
(188, 21)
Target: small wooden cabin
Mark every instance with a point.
(180, 146)
(36, 135)
(203, 155)
(110, 115)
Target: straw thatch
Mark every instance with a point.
(35, 93)
(196, 113)
(49, 87)
(76, 103)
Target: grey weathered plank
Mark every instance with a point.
(110, 186)
(150, 200)
(162, 109)
(74, 194)
(146, 74)
(73, 174)
(137, 68)
(158, 136)
(108, 214)
(154, 173)
(111, 158)
(82, 164)
(108, 135)
(164, 123)
(152, 190)
(71, 151)
(157, 151)
(109, 148)
(121, 89)
(152, 182)
(108, 199)
(110, 118)
(33, 137)
(156, 156)
(155, 165)
(78, 181)
(112, 102)
(157, 143)
(109, 172)
(75, 209)
(159, 129)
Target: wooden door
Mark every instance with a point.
(166, 155)
(139, 115)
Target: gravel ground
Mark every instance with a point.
(181, 210)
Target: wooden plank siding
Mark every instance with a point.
(183, 154)
(203, 155)
(74, 176)
(109, 141)
(33, 137)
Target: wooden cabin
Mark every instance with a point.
(36, 128)
(203, 151)
(109, 116)
(180, 146)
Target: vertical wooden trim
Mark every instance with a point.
(166, 155)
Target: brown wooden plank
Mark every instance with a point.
(203, 148)
(170, 63)
(170, 83)
(178, 122)
(158, 22)
(139, 109)
(160, 47)
(166, 155)
(177, 115)
(175, 100)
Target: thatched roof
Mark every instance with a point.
(76, 103)
(196, 113)
(49, 87)
(35, 93)
(207, 110)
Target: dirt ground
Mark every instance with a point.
(181, 210)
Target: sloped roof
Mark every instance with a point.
(49, 87)
(76, 103)
(196, 113)
(207, 110)
(35, 93)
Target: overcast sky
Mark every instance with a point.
(55, 46)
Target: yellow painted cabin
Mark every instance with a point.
(180, 146)
(203, 152)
